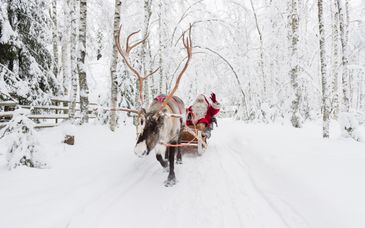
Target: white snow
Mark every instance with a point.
(251, 176)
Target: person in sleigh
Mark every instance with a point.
(201, 113)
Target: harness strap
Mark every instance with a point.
(161, 99)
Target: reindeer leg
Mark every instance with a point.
(171, 179)
(163, 162)
(179, 156)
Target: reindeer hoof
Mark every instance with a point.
(179, 162)
(170, 182)
(165, 165)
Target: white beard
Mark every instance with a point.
(200, 110)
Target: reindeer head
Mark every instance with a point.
(149, 129)
(152, 124)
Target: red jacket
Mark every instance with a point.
(213, 109)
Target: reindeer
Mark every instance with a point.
(159, 127)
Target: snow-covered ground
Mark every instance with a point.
(251, 176)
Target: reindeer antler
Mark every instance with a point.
(189, 50)
(125, 54)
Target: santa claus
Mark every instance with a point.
(202, 111)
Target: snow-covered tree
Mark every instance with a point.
(83, 85)
(113, 68)
(335, 59)
(344, 44)
(294, 63)
(55, 38)
(74, 73)
(25, 44)
(24, 145)
(323, 59)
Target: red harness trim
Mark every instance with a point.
(161, 99)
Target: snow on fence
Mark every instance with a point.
(58, 110)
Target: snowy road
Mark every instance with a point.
(241, 181)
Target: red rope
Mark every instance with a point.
(177, 145)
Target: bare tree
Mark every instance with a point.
(345, 71)
(84, 89)
(146, 51)
(65, 49)
(294, 63)
(335, 66)
(261, 61)
(325, 89)
(55, 38)
(113, 67)
(74, 73)
(162, 47)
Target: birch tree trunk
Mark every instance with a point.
(261, 61)
(294, 67)
(74, 78)
(335, 66)
(162, 47)
(84, 89)
(146, 51)
(345, 72)
(325, 90)
(55, 38)
(113, 68)
(65, 49)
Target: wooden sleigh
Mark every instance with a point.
(194, 137)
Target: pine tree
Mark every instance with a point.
(26, 35)
(24, 149)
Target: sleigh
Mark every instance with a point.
(194, 137)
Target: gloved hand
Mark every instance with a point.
(213, 98)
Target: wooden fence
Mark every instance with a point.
(44, 116)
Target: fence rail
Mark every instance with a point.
(57, 110)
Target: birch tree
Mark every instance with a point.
(294, 65)
(113, 68)
(344, 63)
(65, 49)
(323, 65)
(335, 66)
(162, 47)
(55, 38)
(74, 73)
(261, 60)
(84, 89)
(146, 51)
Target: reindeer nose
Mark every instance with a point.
(141, 149)
(144, 154)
